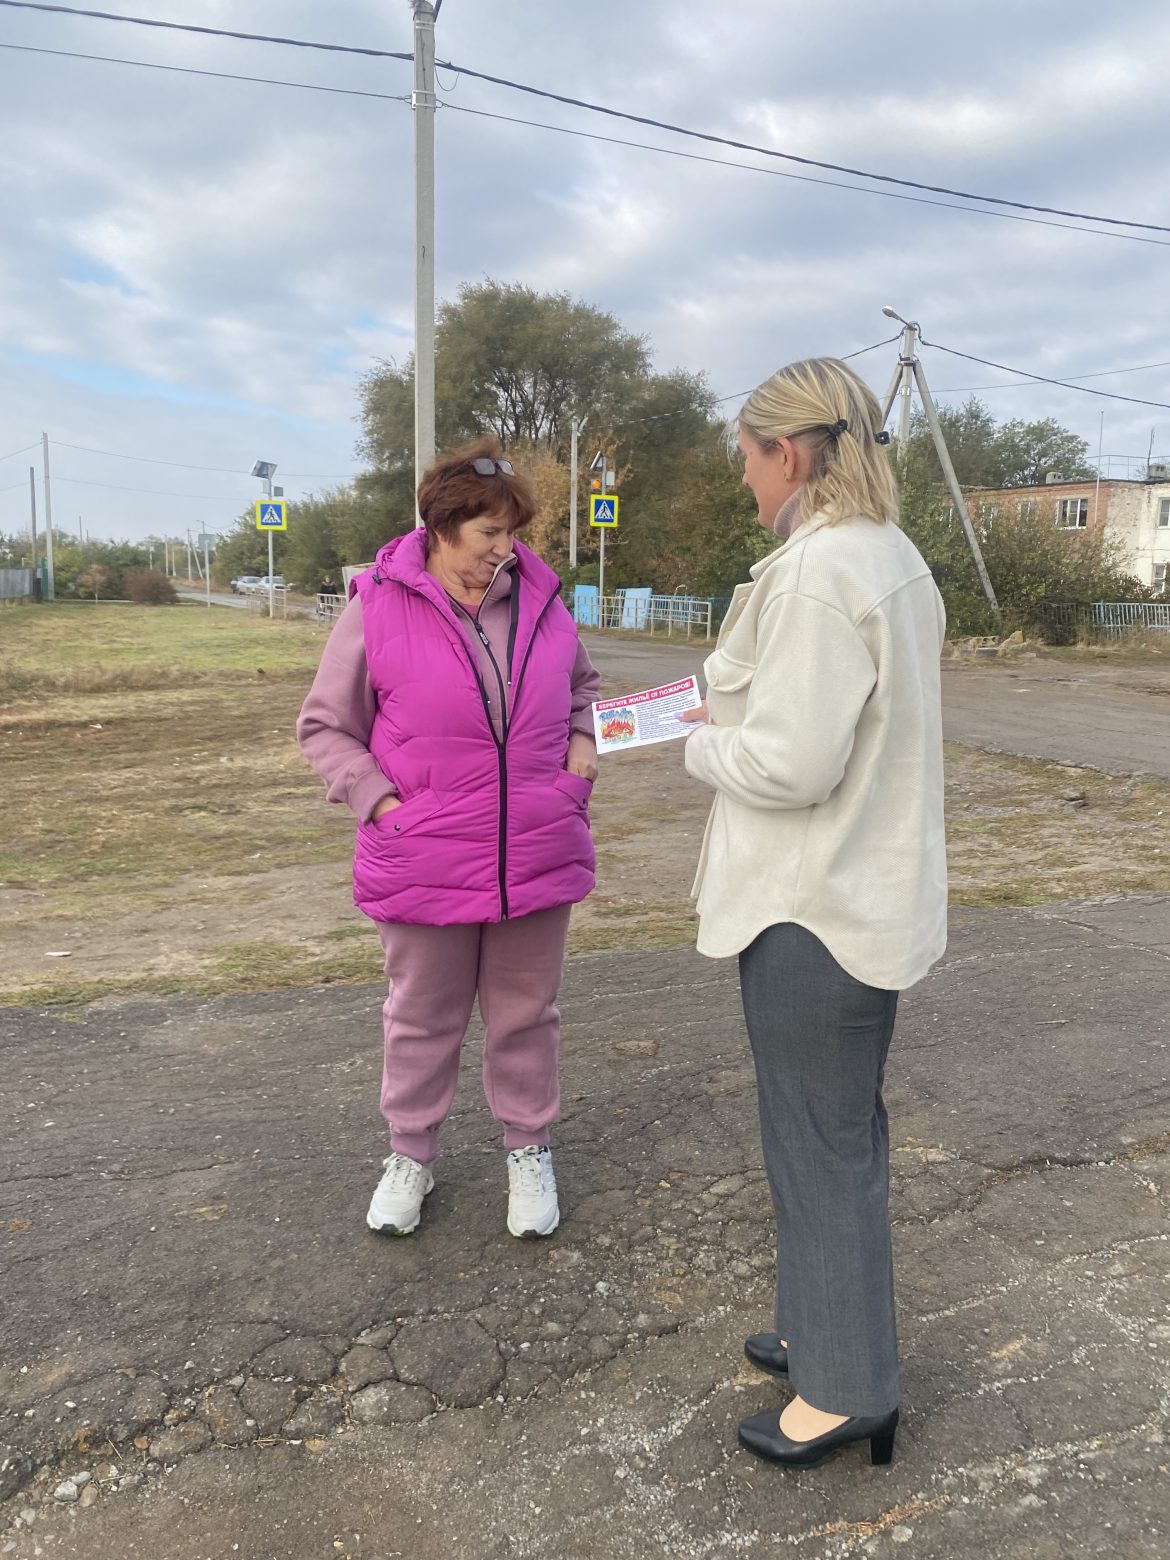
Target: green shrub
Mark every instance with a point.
(149, 588)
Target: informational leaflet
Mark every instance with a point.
(641, 718)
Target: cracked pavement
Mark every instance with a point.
(203, 1352)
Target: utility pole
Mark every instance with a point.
(908, 373)
(577, 427)
(422, 101)
(600, 464)
(50, 578)
(32, 500)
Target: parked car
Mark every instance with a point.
(243, 584)
(275, 580)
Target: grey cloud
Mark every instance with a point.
(254, 244)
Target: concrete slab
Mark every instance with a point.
(195, 1317)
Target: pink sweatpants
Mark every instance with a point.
(436, 972)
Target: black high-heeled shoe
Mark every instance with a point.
(762, 1436)
(767, 1353)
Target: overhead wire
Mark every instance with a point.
(210, 32)
(804, 178)
(13, 453)
(343, 476)
(218, 75)
(178, 465)
(1044, 379)
(590, 107)
(118, 487)
(586, 135)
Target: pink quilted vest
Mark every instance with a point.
(487, 830)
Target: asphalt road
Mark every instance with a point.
(1099, 714)
(205, 1354)
(1107, 717)
(219, 598)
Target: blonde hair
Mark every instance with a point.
(810, 401)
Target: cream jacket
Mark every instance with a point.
(824, 749)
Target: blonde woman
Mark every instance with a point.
(823, 869)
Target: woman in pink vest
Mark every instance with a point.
(451, 713)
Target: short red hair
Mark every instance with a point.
(452, 491)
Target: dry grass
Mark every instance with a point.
(163, 831)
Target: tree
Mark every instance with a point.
(510, 361)
(987, 454)
(521, 364)
(97, 580)
(1033, 563)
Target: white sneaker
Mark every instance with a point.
(532, 1193)
(396, 1205)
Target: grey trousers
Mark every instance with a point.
(819, 1039)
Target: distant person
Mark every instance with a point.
(824, 871)
(451, 712)
(329, 587)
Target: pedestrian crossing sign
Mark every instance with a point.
(271, 514)
(603, 510)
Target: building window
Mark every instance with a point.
(1072, 514)
(1026, 508)
(1160, 576)
(1164, 512)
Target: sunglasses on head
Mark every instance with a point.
(484, 466)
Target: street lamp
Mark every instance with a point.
(892, 314)
(264, 469)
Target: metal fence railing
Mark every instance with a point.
(679, 615)
(644, 612)
(258, 600)
(1062, 621)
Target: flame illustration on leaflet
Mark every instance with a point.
(619, 726)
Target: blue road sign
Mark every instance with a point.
(271, 514)
(603, 510)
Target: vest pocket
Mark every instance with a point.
(575, 786)
(401, 820)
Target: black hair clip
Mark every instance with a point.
(839, 427)
(882, 436)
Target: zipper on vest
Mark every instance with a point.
(502, 839)
(502, 835)
(501, 756)
(531, 642)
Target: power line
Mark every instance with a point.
(147, 460)
(586, 135)
(767, 151)
(594, 108)
(209, 498)
(211, 32)
(219, 75)
(1104, 373)
(1064, 384)
(803, 178)
(718, 400)
(24, 451)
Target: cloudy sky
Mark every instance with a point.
(195, 271)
